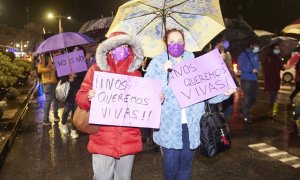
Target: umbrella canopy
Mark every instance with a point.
(286, 45)
(293, 31)
(99, 28)
(237, 32)
(86, 25)
(62, 41)
(261, 33)
(200, 20)
(293, 27)
(103, 23)
(238, 29)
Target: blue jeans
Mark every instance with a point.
(177, 163)
(250, 90)
(49, 90)
(67, 108)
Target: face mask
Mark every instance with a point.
(276, 51)
(255, 49)
(120, 53)
(226, 44)
(176, 49)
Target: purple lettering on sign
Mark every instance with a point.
(70, 62)
(195, 80)
(122, 100)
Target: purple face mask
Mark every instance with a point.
(120, 53)
(176, 49)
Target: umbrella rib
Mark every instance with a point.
(149, 6)
(177, 4)
(185, 29)
(147, 25)
(178, 12)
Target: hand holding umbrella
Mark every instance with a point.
(148, 20)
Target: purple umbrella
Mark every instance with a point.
(62, 41)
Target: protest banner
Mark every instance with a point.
(199, 79)
(122, 100)
(70, 62)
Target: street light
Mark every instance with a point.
(51, 16)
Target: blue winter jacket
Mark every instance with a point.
(169, 135)
(247, 61)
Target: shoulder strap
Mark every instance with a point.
(249, 59)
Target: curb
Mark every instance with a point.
(16, 122)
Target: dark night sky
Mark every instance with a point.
(270, 15)
(13, 12)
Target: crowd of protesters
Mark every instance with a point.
(178, 135)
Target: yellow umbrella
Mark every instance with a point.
(200, 20)
(261, 33)
(292, 31)
(293, 28)
(289, 27)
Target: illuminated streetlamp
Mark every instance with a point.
(51, 16)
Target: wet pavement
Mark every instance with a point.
(265, 149)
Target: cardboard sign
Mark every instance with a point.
(199, 79)
(122, 100)
(70, 62)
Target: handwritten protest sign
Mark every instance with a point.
(70, 62)
(122, 100)
(204, 77)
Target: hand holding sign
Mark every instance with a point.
(122, 100)
(70, 62)
(91, 94)
(204, 77)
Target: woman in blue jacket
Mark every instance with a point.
(179, 132)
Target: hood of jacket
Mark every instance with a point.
(115, 41)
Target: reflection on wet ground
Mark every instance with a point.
(45, 153)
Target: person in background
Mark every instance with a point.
(294, 62)
(113, 147)
(221, 44)
(272, 65)
(90, 59)
(147, 133)
(47, 70)
(248, 63)
(70, 105)
(179, 132)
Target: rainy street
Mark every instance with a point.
(85, 87)
(265, 149)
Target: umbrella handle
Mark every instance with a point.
(51, 57)
(168, 75)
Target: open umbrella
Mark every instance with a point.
(200, 20)
(102, 23)
(83, 28)
(293, 31)
(286, 45)
(262, 33)
(62, 41)
(293, 28)
(237, 32)
(99, 28)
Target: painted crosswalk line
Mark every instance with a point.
(277, 154)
